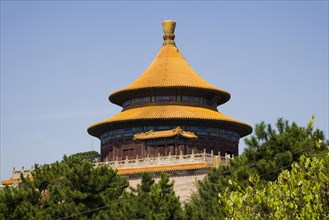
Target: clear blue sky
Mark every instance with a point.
(60, 60)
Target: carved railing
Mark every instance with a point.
(16, 174)
(211, 159)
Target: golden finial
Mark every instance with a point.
(168, 27)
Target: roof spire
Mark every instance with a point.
(168, 27)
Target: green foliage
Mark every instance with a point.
(17, 204)
(253, 186)
(91, 156)
(150, 200)
(67, 188)
(302, 193)
(74, 189)
(268, 151)
(279, 148)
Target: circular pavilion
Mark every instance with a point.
(168, 110)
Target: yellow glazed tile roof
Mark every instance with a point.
(169, 73)
(165, 134)
(10, 181)
(168, 112)
(165, 168)
(169, 69)
(13, 180)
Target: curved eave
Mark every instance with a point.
(171, 112)
(119, 97)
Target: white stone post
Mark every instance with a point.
(216, 161)
(116, 162)
(212, 155)
(226, 160)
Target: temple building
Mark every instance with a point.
(169, 123)
(168, 110)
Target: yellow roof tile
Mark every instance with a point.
(167, 112)
(164, 168)
(9, 181)
(169, 69)
(13, 180)
(169, 73)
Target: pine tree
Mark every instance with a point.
(268, 152)
(71, 188)
(152, 200)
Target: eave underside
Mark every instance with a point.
(121, 96)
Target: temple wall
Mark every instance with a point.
(120, 149)
(184, 181)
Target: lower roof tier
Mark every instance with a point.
(168, 112)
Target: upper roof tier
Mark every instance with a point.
(169, 73)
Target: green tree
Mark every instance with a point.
(302, 193)
(271, 149)
(72, 187)
(152, 200)
(268, 151)
(75, 189)
(91, 156)
(18, 204)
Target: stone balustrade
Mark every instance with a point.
(16, 174)
(211, 159)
